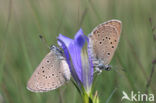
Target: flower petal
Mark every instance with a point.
(65, 39)
(87, 67)
(79, 38)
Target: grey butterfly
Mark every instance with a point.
(103, 42)
(52, 72)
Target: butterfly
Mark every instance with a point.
(52, 72)
(103, 42)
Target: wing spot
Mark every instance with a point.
(103, 39)
(46, 77)
(42, 67)
(115, 40)
(108, 53)
(112, 46)
(100, 42)
(109, 38)
(110, 42)
(43, 71)
(106, 37)
(47, 61)
(52, 74)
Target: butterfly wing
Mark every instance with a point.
(104, 40)
(49, 75)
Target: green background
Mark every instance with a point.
(21, 50)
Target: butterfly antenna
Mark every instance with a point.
(44, 41)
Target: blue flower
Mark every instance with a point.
(78, 58)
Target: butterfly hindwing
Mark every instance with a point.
(50, 74)
(104, 40)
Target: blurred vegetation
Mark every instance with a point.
(21, 21)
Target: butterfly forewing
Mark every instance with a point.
(104, 40)
(49, 74)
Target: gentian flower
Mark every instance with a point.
(78, 59)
